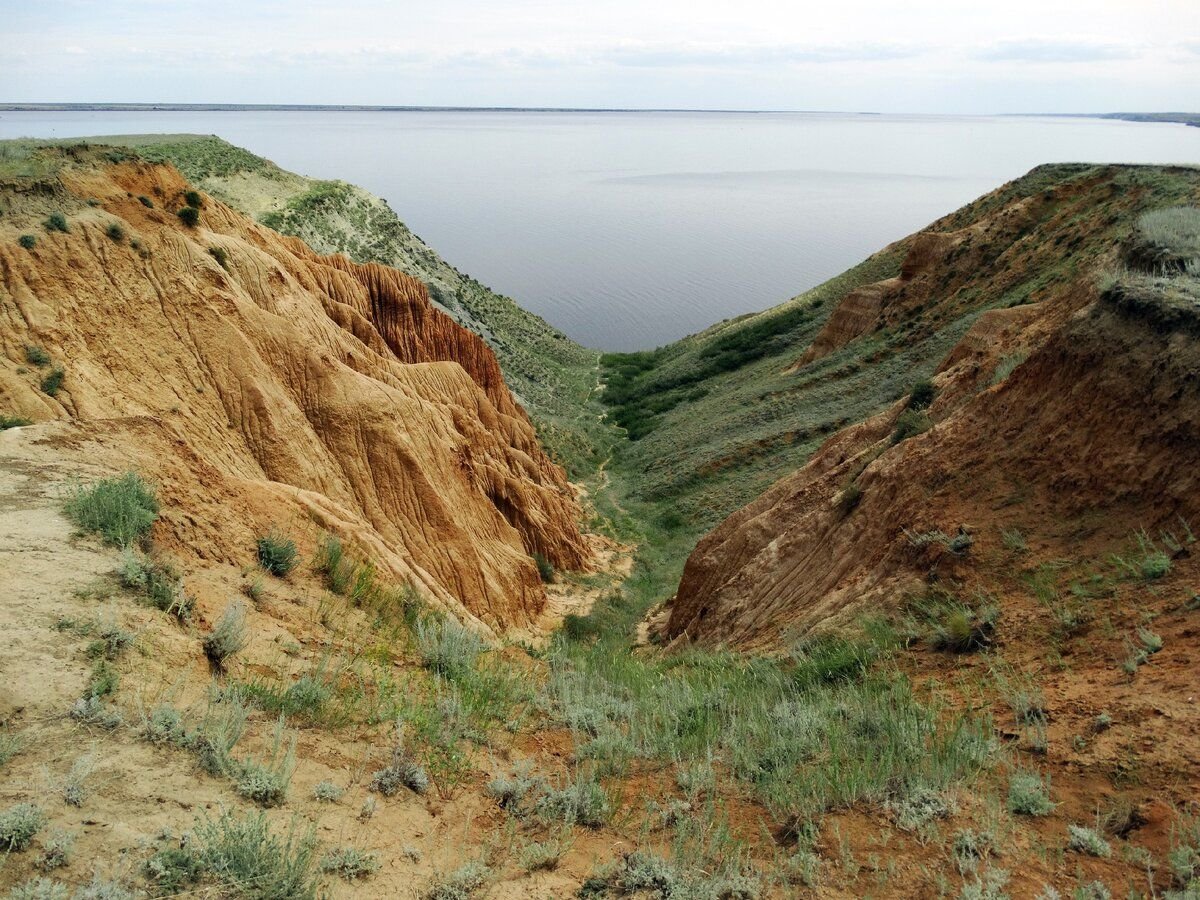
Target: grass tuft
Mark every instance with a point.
(228, 637)
(121, 510)
(277, 553)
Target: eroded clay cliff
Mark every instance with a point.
(259, 383)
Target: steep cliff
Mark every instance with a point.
(261, 383)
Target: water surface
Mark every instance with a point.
(629, 230)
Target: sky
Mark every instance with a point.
(918, 56)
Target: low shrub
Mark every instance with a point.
(849, 498)
(909, 423)
(277, 553)
(56, 851)
(1088, 841)
(193, 198)
(52, 381)
(158, 582)
(56, 222)
(121, 510)
(7, 422)
(243, 854)
(350, 863)
(39, 889)
(36, 355)
(266, 783)
(545, 568)
(402, 771)
(460, 884)
(19, 824)
(189, 216)
(327, 792)
(27, 241)
(219, 254)
(581, 801)
(104, 681)
(446, 647)
(1029, 794)
(91, 711)
(115, 232)
(921, 395)
(74, 788)
(228, 637)
(145, 201)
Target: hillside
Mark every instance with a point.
(719, 417)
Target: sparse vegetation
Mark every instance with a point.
(157, 581)
(115, 233)
(7, 422)
(57, 222)
(545, 568)
(220, 255)
(36, 355)
(921, 395)
(228, 637)
(121, 510)
(27, 241)
(277, 553)
(75, 788)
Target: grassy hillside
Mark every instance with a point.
(716, 418)
(550, 374)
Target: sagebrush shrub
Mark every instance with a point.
(1086, 840)
(189, 216)
(228, 637)
(19, 824)
(1029, 794)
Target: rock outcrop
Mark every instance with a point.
(258, 383)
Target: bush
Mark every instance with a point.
(447, 648)
(145, 201)
(19, 824)
(459, 884)
(158, 582)
(963, 629)
(267, 783)
(193, 198)
(219, 254)
(53, 381)
(115, 232)
(277, 553)
(121, 510)
(245, 856)
(56, 852)
(1086, 840)
(579, 628)
(402, 771)
(189, 216)
(100, 889)
(1029, 794)
(921, 395)
(91, 711)
(327, 792)
(56, 222)
(172, 870)
(104, 680)
(579, 802)
(909, 423)
(75, 790)
(27, 241)
(849, 499)
(228, 636)
(36, 355)
(545, 568)
(350, 863)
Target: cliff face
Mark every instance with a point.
(258, 382)
(1074, 421)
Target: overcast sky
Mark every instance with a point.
(957, 56)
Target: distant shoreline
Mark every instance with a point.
(1181, 118)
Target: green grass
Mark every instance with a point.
(121, 510)
(277, 553)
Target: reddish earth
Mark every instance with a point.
(259, 383)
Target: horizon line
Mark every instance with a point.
(165, 106)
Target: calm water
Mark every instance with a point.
(628, 230)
